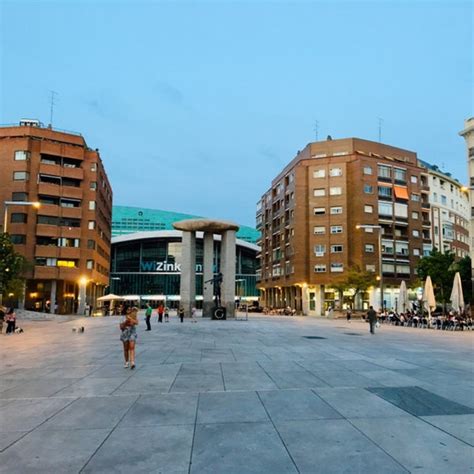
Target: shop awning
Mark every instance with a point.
(400, 192)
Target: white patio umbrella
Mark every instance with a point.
(457, 297)
(402, 297)
(429, 301)
(110, 297)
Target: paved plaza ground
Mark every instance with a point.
(268, 395)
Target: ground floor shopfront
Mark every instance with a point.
(318, 300)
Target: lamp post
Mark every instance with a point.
(379, 229)
(15, 203)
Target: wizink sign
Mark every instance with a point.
(165, 267)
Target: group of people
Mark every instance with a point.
(8, 316)
(288, 311)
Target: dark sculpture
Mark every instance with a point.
(216, 281)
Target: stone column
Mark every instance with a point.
(188, 272)
(52, 297)
(305, 300)
(81, 299)
(319, 300)
(208, 274)
(228, 270)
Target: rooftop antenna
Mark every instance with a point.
(380, 120)
(316, 130)
(52, 103)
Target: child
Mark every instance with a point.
(167, 314)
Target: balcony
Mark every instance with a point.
(75, 173)
(51, 169)
(49, 189)
(46, 251)
(69, 252)
(47, 230)
(75, 212)
(71, 192)
(425, 205)
(46, 273)
(426, 223)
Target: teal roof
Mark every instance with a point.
(127, 220)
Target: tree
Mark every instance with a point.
(441, 268)
(13, 267)
(340, 287)
(359, 280)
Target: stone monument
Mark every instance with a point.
(220, 286)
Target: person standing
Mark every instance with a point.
(129, 337)
(2, 317)
(349, 315)
(160, 310)
(10, 318)
(181, 313)
(372, 317)
(193, 315)
(148, 312)
(167, 314)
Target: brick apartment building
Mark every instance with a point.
(67, 239)
(308, 222)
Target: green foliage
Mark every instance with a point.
(463, 266)
(360, 280)
(441, 268)
(13, 267)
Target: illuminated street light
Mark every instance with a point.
(34, 204)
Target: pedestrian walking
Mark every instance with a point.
(181, 313)
(372, 317)
(10, 318)
(161, 310)
(129, 337)
(349, 315)
(167, 314)
(193, 315)
(148, 312)
(91, 310)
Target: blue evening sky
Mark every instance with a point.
(196, 106)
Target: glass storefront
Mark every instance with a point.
(152, 267)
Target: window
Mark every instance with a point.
(368, 189)
(18, 239)
(385, 209)
(68, 242)
(21, 197)
(319, 173)
(91, 244)
(70, 203)
(337, 267)
(444, 200)
(385, 172)
(370, 248)
(416, 252)
(45, 262)
(319, 230)
(401, 192)
(91, 225)
(21, 155)
(66, 263)
(335, 172)
(90, 264)
(319, 250)
(93, 185)
(91, 205)
(21, 176)
(319, 268)
(368, 170)
(435, 197)
(336, 229)
(415, 215)
(336, 248)
(318, 211)
(385, 192)
(48, 220)
(336, 210)
(416, 233)
(399, 175)
(370, 268)
(93, 166)
(369, 230)
(414, 179)
(368, 209)
(401, 210)
(18, 218)
(387, 247)
(335, 191)
(401, 248)
(388, 268)
(415, 197)
(403, 269)
(319, 192)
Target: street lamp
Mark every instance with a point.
(15, 203)
(380, 278)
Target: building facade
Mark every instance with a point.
(127, 220)
(66, 238)
(449, 213)
(309, 218)
(147, 265)
(468, 134)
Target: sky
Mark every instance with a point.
(196, 106)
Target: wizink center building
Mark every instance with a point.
(147, 264)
